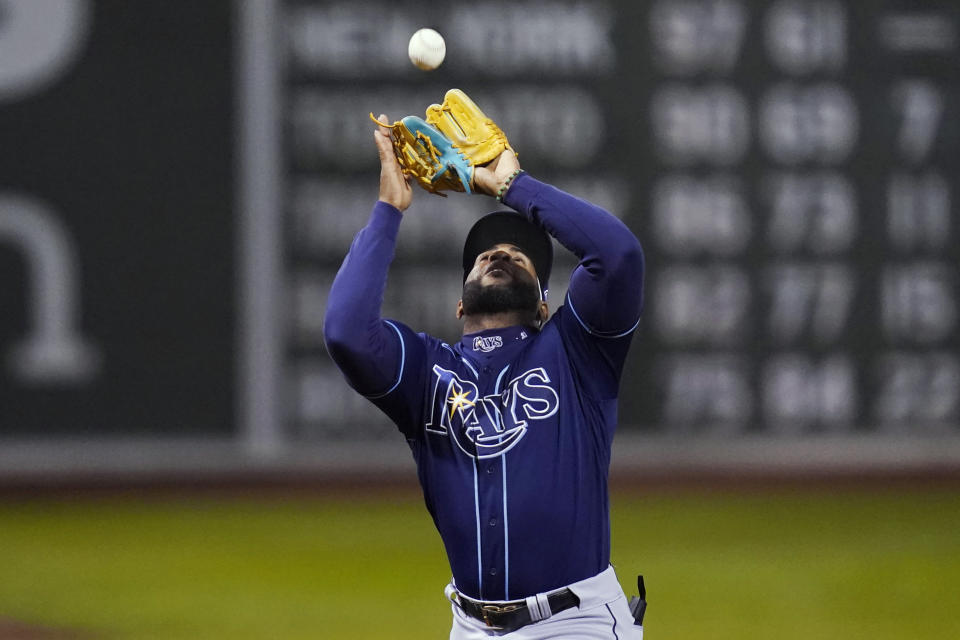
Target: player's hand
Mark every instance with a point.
(395, 187)
(490, 177)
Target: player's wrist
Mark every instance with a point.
(398, 205)
(504, 185)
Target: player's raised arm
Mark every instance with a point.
(365, 347)
(606, 288)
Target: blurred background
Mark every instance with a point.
(180, 181)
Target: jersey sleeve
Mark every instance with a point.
(596, 361)
(378, 357)
(605, 297)
(403, 401)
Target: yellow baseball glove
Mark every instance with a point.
(471, 131)
(440, 154)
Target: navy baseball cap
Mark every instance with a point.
(509, 227)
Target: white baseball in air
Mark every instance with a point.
(427, 49)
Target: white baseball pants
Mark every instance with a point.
(603, 614)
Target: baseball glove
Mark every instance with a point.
(471, 131)
(440, 154)
(429, 157)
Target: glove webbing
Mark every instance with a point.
(436, 167)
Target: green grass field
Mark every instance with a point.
(782, 565)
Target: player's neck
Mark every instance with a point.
(475, 323)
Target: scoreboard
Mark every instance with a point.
(791, 168)
(181, 182)
(800, 215)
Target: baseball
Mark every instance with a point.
(427, 49)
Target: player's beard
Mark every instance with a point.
(520, 294)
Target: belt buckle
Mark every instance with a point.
(488, 609)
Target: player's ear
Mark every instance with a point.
(459, 309)
(543, 313)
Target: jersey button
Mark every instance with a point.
(493, 571)
(486, 369)
(490, 469)
(493, 522)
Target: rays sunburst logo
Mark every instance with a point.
(488, 426)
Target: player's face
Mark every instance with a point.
(503, 279)
(502, 264)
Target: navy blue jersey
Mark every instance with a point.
(511, 428)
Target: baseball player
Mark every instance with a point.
(511, 427)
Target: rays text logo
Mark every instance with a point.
(487, 344)
(489, 426)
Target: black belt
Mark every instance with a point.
(510, 616)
